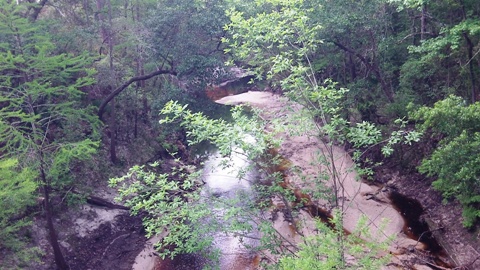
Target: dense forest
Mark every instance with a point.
(107, 106)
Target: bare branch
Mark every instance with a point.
(119, 89)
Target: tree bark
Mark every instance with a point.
(353, 70)
(423, 25)
(57, 252)
(113, 135)
(135, 114)
(100, 19)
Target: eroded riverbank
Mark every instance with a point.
(359, 198)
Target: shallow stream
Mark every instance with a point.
(223, 183)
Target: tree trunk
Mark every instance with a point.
(473, 95)
(374, 67)
(135, 116)
(113, 134)
(353, 70)
(423, 27)
(113, 116)
(57, 252)
(100, 19)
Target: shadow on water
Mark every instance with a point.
(416, 228)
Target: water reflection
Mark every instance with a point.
(228, 182)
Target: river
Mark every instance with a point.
(222, 185)
(299, 150)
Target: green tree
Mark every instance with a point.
(171, 198)
(278, 44)
(456, 161)
(17, 192)
(43, 123)
(277, 40)
(281, 44)
(322, 250)
(443, 57)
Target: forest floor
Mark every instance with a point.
(93, 237)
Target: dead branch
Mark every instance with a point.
(104, 203)
(111, 243)
(97, 201)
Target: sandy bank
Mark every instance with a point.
(302, 151)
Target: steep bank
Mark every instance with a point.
(360, 199)
(443, 219)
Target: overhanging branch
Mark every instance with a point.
(122, 87)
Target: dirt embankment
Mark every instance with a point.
(359, 198)
(93, 237)
(444, 220)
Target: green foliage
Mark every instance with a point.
(172, 204)
(281, 44)
(186, 35)
(38, 89)
(41, 93)
(224, 135)
(364, 134)
(190, 223)
(172, 199)
(43, 123)
(440, 61)
(322, 250)
(277, 44)
(17, 189)
(456, 161)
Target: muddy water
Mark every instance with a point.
(223, 183)
(417, 229)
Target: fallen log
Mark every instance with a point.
(97, 201)
(104, 203)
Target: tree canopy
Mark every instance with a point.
(85, 81)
